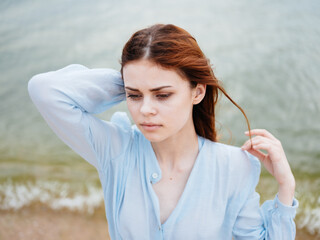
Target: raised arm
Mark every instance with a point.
(68, 98)
(273, 220)
(275, 161)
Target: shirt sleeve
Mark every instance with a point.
(68, 98)
(273, 220)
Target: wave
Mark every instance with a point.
(62, 195)
(55, 194)
(308, 213)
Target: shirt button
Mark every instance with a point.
(154, 175)
(276, 205)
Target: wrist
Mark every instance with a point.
(286, 192)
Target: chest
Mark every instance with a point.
(184, 205)
(188, 207)
(169, 190)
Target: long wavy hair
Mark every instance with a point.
(174, 48)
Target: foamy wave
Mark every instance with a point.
(58, 195)
(308, 195)
(55, 194)
(308, 213)
(309, 218)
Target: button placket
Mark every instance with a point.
(154, 177)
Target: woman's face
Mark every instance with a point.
(160, 101)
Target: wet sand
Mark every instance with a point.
(42, 223)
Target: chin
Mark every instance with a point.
(153, 137)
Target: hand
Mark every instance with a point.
(275, 161)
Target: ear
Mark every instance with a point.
(199, 93)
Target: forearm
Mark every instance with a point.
(68, 97)
(92, 90)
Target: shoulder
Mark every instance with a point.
(239, 166)
(239, 159)
(122, 120)
(120, 129)
(232, 155)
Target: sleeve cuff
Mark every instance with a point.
(286, 210)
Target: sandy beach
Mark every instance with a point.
(42, 223)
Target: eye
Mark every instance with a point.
(134, 96)
(163, 96)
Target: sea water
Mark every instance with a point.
(266, 53)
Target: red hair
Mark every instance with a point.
(174, 48)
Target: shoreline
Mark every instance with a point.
(40, 222)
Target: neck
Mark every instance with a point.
(178, 152)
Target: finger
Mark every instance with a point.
(261, 132)
(263, 159)
(260, 155)
(256, 140)
(247, 145)
(260, 139)
(251, 141)
(262, 146)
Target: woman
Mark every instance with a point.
(166, 177)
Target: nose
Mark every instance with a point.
(147, 107)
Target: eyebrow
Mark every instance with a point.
(151, 90)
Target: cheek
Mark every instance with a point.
(181, 104)
(133, 108)
(178, 110)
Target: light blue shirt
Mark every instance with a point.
(219, 200)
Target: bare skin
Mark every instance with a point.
(275, 161)
(176, 163)
(161, 103)
(169, 190)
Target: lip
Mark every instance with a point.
(150, 126)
